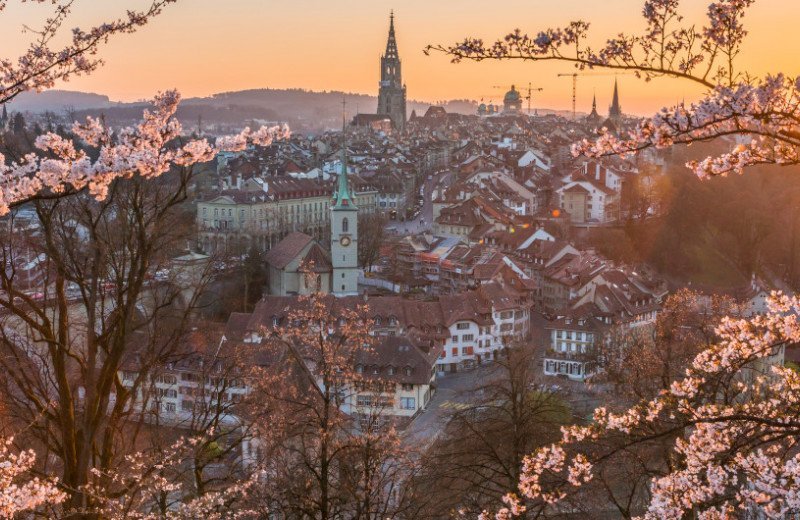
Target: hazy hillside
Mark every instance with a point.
(57, 101)
(305, 111)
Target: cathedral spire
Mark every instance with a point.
(391, 43)
(615, 111)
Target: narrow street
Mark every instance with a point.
(452, 393)
(424, 220)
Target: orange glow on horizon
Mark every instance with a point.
(201, 49)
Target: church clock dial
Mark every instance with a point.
(345, 241)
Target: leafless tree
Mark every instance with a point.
(86, 289)
(371, 235)
(510, 413)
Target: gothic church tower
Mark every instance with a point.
(392, 92)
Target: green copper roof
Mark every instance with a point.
(342, 197)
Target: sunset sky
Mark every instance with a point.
(208, 46)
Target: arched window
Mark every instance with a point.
(345, 225)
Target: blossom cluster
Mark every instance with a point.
(147, 476)
(765, 114)
(767, 111)
(730, 421)
(19, 493)
(148, 149)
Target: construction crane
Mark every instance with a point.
(574, 76)
(528, 97)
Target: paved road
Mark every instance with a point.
(452, 393)
(424, 220)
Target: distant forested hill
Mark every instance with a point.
(57, 101)
(304, 110)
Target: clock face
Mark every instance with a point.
(345, 241)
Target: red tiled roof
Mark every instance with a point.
(287, 249)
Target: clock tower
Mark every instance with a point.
(344, 237)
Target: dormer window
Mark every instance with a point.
(275, 321)
(391, 371)
(408, 371)
(359, 369)
(376, 369)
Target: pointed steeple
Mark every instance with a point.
(594, 118)
(342, 197)
(615, 111)
(391, 43)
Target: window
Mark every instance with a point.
(167, 379)
(187, 406)
(455, 351)
(167, 392)
(467, 337)
(407, 387)
(345, 225)
(364, 400)
(455, 339)
(462, 326)
(408, 403)
(169, 407)
(467, 351)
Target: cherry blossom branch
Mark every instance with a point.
(663, 49)
(766, 111)
(16, 497)
(732, 422)
(41, 66)
(149, 149)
